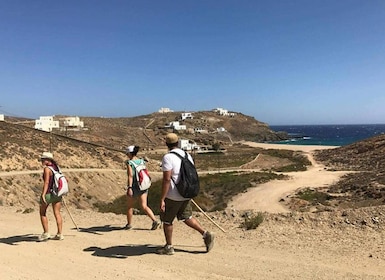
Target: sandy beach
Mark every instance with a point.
(285, 246)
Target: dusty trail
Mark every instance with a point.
(282, 247)
(266, 197)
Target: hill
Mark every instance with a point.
(93, 159)
(333, 240)
(363, 186)
(148, 131)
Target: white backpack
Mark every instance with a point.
(60, 183)
(142, 177)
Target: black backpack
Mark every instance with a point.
(188, 181)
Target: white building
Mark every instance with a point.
(185, 116)
(186, 145)
(177, 126)
(73, 122)
(200, 130)
(1, 117)
(221, 111)
(46, 123)
(165, 110)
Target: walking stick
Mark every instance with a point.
(65, 205)
(200, 209)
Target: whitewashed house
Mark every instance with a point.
(185, 116)
(46, 123)
(1, 117)
(73, 122)
(221, 111)
(165, 110)
(177, 126)
(186, 145)
(221, 129)
(224, 112)
(200, 130)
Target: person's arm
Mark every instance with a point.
(165, 187)
(129, 180)
(46, 178)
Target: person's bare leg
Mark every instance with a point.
(168, 229)
(59, 221)
(208, 237)
(130, 210)
(43, 216)
(193, 223)
(144, 206)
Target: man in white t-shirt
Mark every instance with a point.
(172, 204)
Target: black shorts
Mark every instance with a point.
(182, 210)
(136, 192)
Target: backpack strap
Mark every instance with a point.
(181, 158)
(175, 153)
(54, 170)
(131, 162)
(135, 165)
(52, 179)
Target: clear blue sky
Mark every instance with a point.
(282, 62)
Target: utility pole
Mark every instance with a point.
(50, 141)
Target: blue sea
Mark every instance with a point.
(328, 135)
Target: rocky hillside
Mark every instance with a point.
(101, 148)
(148, 131)
(366, 155)
(21, 147)
(365, 186)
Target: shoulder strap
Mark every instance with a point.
(135, 171)
(136, 164)
(52, 179)
(175, 153)
(181, 158)
(53, 169)
(133, 163)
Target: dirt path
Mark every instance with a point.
(296, 246)
(278, 249)
(266, 197)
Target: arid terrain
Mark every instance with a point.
(325, 222)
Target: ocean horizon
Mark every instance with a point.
(328, 135)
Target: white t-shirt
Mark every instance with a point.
(173, 162)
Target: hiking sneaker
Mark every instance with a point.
(128, 227)
(155, 225)
(44, 237)
(208, 238)
(165, 250)
(58, 237)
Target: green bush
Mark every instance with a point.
(252, 221)
(312, 195)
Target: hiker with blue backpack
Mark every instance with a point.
(137, 187)
(176, 201)
(48, 197)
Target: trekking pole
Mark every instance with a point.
(65, 205)
(207, 216)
